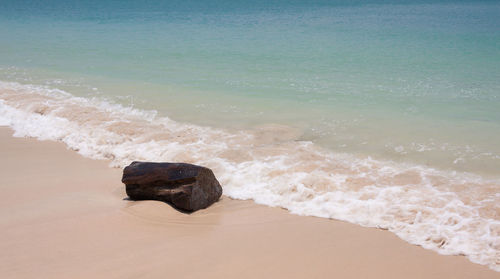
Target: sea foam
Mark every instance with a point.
(449, 212)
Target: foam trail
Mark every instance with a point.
(451, 213)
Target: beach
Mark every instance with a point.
(64, 215)
(355, 139)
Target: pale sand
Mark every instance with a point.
(65, 216)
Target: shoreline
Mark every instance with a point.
(64, 215)
(421, 205)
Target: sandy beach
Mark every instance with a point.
(65, 216)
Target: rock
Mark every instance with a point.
(185, 186)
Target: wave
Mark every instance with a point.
(449, 212)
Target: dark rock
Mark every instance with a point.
(185, 186)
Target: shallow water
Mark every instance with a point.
(384, 114)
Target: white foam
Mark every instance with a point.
(4, 121)
(447, 212)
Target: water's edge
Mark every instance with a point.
(448, 212)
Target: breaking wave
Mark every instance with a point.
(449, 212)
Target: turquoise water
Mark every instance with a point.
(381, 113)
(375, 78)
(414, 81)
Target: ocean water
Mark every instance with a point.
(381, 113)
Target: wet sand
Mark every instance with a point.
(65, 216)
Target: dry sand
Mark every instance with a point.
(65, 216)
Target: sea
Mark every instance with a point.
(382, 113)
